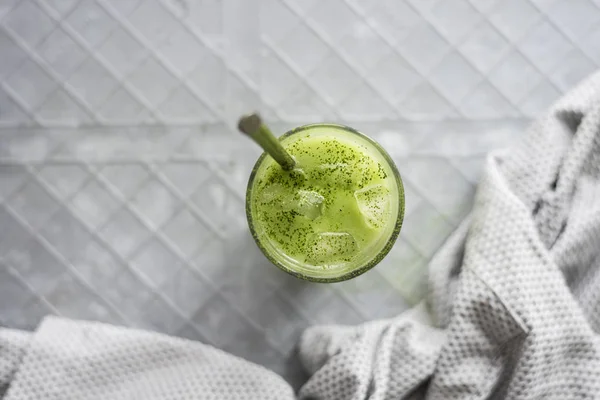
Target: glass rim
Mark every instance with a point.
(356, 271)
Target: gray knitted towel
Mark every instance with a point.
(514, 302)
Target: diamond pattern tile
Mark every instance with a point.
(153, 21)
(187, 232)
(566, 76)
(122, 107)
(394, 78)
(122, 51)
(13, 291)
(515, 86)
(11, 178)
(545, 46)
(369, 294)
(122, 182)
(223, 209)
(62, 107)
(33, 204)
(90, 21)
(280, 321)
(93, 204)
(335, 78)
(64, 180)
(28, 22)
(31, 84)
(124, 232)
(455, 19)
(187, 290)
(61, 53)
(575, 18)
(156, 262)
(395, 19)
(73, 299)
(154, 202)
(403, 256)
(13, 55)
(425, 102)
(27, 316)
(96, 265)
(454, 77)
(159, 316)
(13, 112)
(539, 99)
(125, 178)
(14, 236)
(129, 293)
(424, 36)
(209, 86)
(6, 7)
(59, 7)
(222, 324)
(514, 18)
(485, 46)
(182, 50)
(152, 81)
(26, 258)
(484, 101)
(66, 233)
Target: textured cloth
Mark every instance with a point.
(513, 309)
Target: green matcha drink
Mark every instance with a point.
(336, 214)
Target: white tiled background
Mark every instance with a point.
(122, 180)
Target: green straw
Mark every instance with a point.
(253, 126)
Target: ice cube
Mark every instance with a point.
(374, 204)
(330, 247)
(272, 192)
(307, 203)
(298, 174)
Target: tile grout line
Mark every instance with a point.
(94, 234)
(33, 294)
(70, 269)
(302, 77)
(217, 52)
(163, 240)
(218, 172)
(572, 42)
(57, 82)
(156, 233)
(562, 32)
(458, 51)
(514, 46)
(184, 200)
(146, 44)
(21, 104)
(91, 54)
(398, 53)
(58, 21)
(426, 200)
(121, 82)
(338, 53)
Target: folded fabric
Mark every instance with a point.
(513, 309)
(515, 290)
(67, 359)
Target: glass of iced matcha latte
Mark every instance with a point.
(324, 203)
